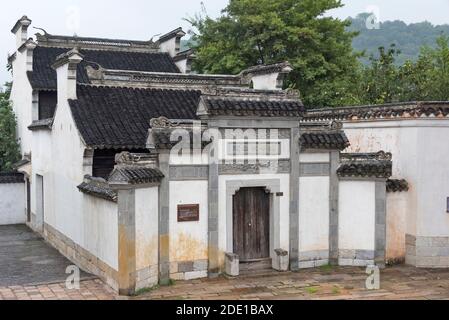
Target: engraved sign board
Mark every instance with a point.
(188, 213)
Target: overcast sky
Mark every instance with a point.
(142, 19)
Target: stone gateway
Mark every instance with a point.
(141, 172)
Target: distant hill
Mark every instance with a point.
(408, 38)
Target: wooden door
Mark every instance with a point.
(252, 224)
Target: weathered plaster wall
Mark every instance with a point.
(147, 236)
(419, 156)
(432, 162)
(100, 229)
(188, 240)
(401, 139)
(396, 226)
(12, 203)
(356, 216)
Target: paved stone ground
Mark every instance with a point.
(397, 283)
(32, 270)
(26, 259)
(89, 290)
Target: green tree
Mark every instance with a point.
(380, 81)
(252, 32)
(9, 147)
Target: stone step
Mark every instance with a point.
(264, 264)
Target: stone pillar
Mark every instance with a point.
(127, 242)
(381, 223)
(333, 208)
(214, 259)
(164, 216)
(294, 199)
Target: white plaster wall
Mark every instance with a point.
(21, 97)
(433, 179)
(313, 213)
(265, 82)
(100, 223)
(42, 165)
(188, 240)
(401, 139)
(169, 46)
(182, 65)
(357, 215)
(12, 204)
(91, 223)
(396, 225)
(68, 150)
(147, 227)
(284, 180)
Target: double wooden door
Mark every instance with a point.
(252, 224)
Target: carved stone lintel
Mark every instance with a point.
(133, 159)
(162, 123)
(336, 125)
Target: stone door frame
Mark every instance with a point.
(273, 187)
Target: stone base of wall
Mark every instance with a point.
(81, 257)
(427, 252)
(313, 259)
(189, 270)
(147, 278)
(356, 258)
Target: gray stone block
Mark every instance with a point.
(347, 254)
(306, 265)
(313, 255)
(200, 265)
(410, 240)
(185, 266)
(232, 264)
(346, 262)
(362, 263)
(440, 242)
(364, 255)
(281, 261)
(423, 242)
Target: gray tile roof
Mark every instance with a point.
(368, 165)
(386, 111)
(396, 185)
(11, 177)
(324, 140)
(258, 106)
(119, 118)
(43, 77)
(136, 175)
(99, 188)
